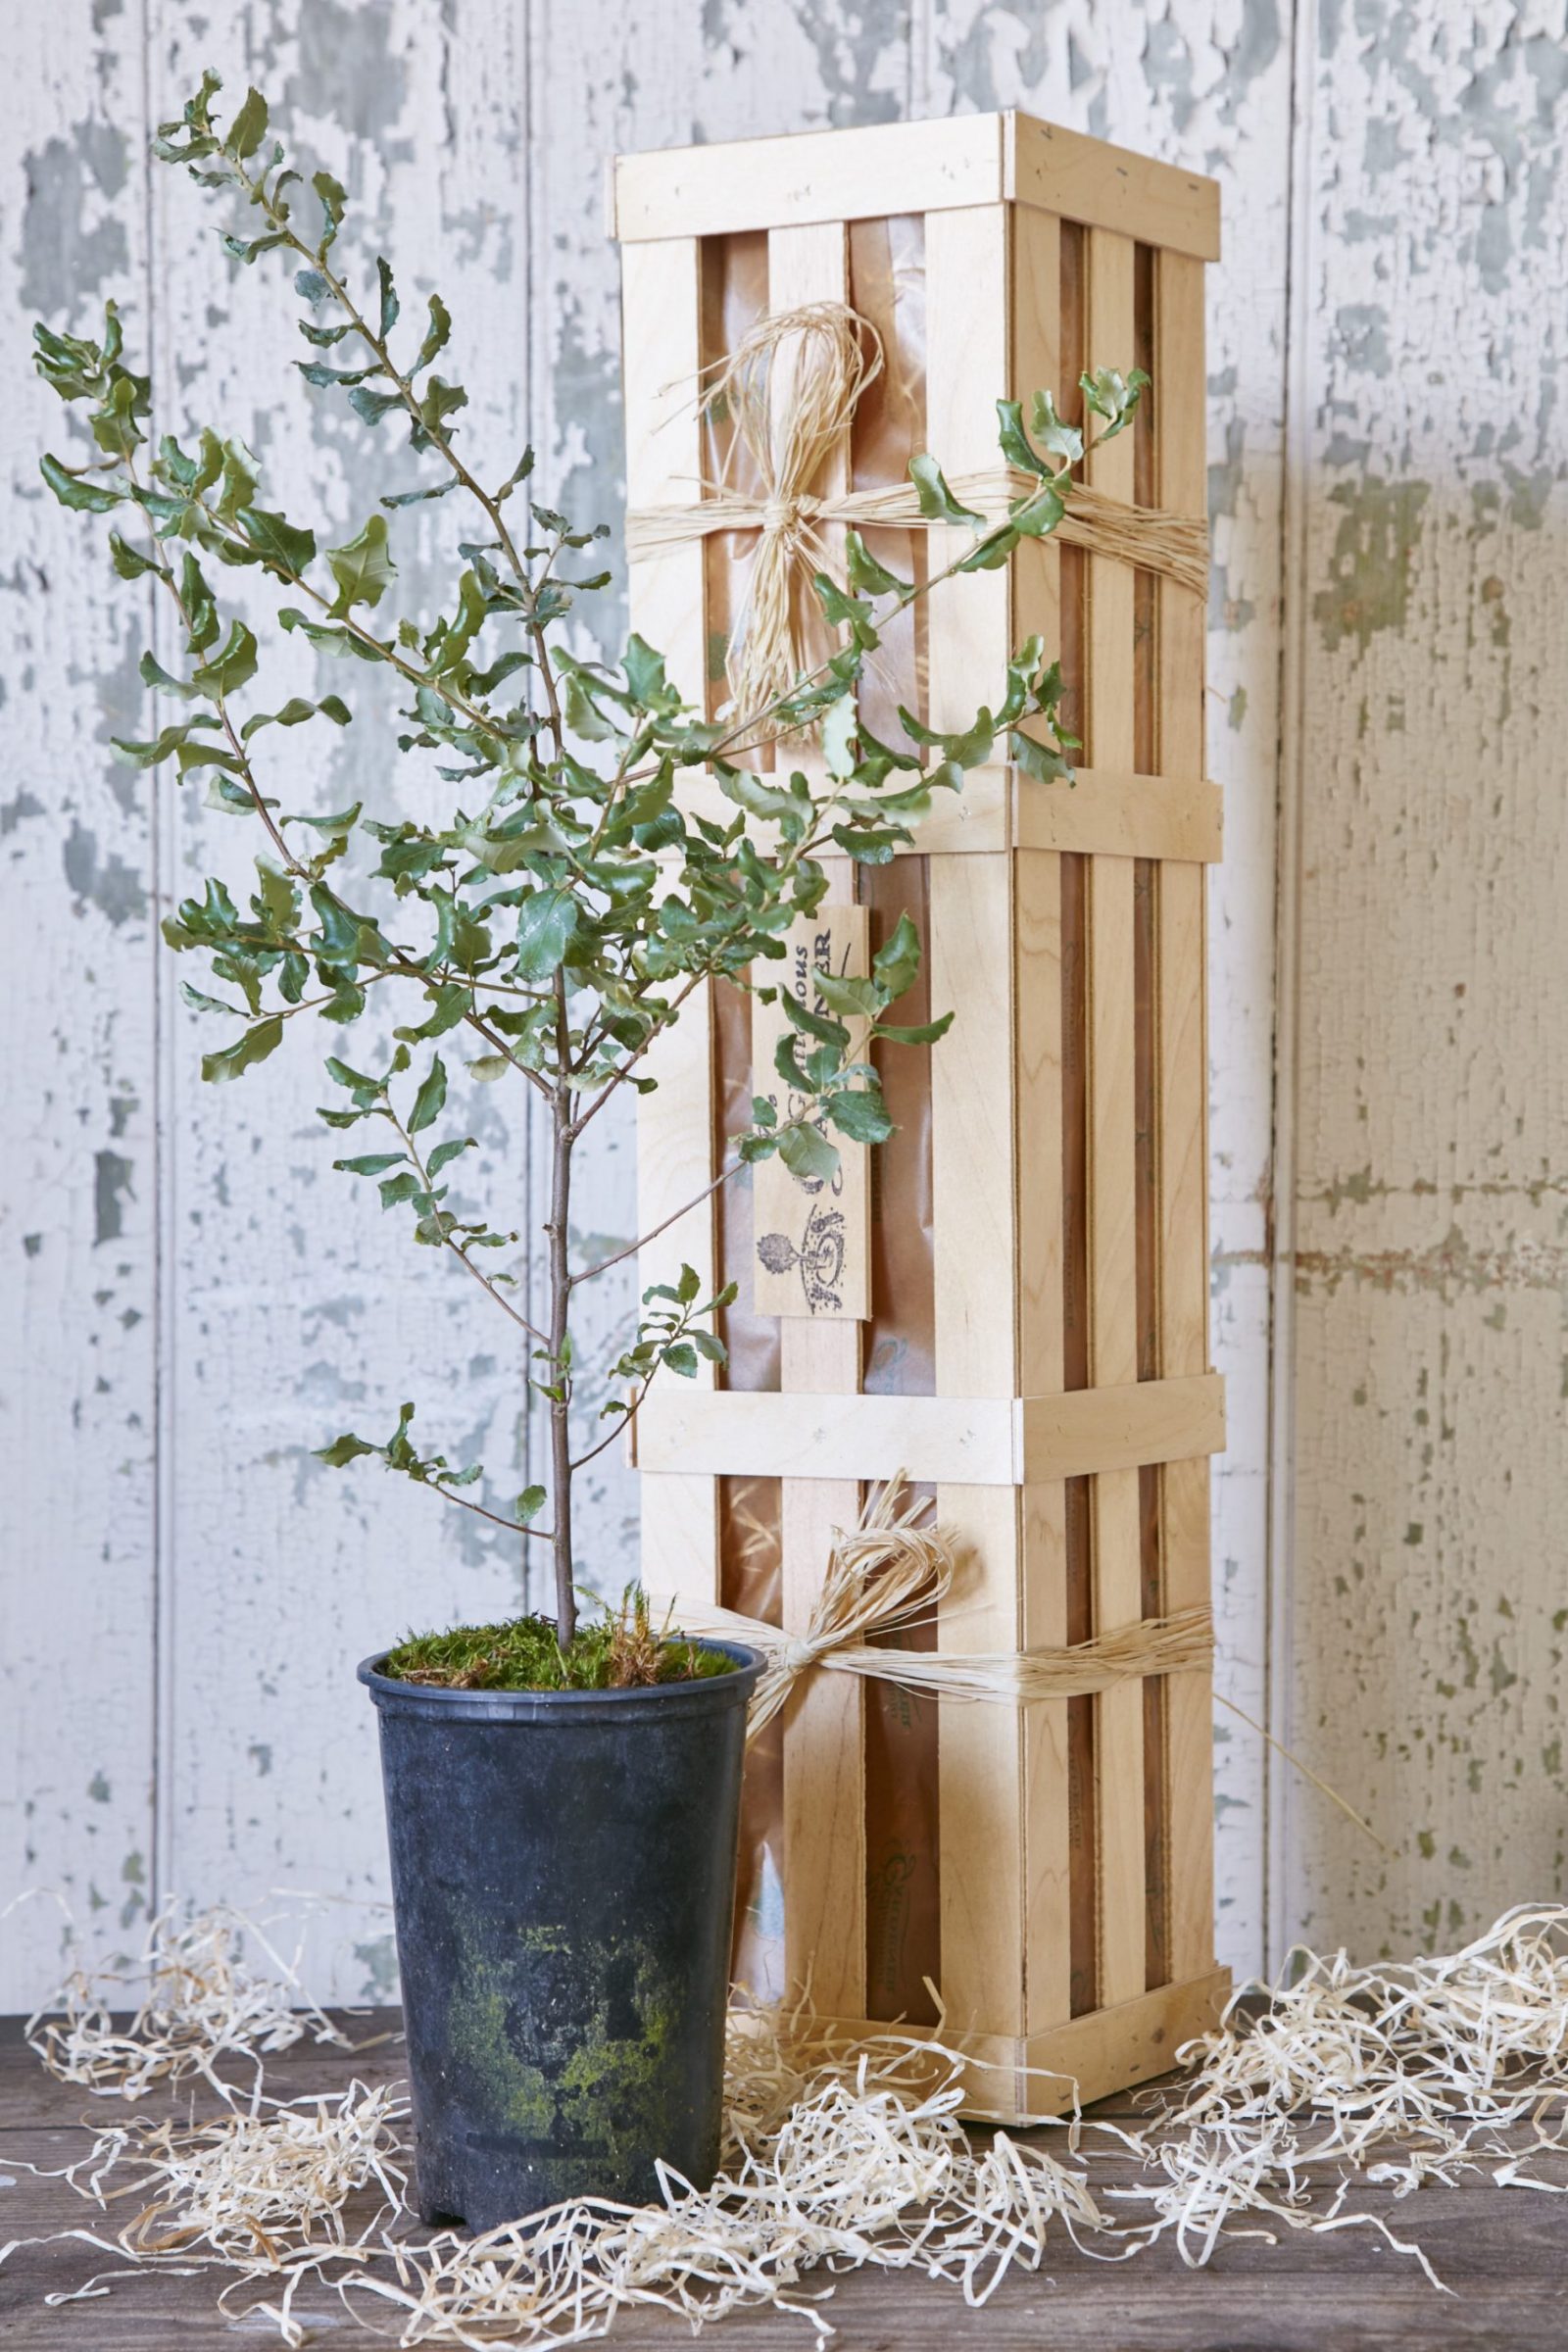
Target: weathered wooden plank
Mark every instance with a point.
(81, 1173)
(661, 307)
(1500, 2249)
(1181, 1141)
(1429, 1096)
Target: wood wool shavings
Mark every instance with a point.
(839, 2155)
(1388, 2075)
(200, 2001)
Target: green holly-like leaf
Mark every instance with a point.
(362, 567)
(253, 1046)
(430, 1099)
(87, 497)
(343, 1451)
(937, 502)
(276, 540)
(862, 1116)
(546, 922)
(866, 574)
(808, 1154)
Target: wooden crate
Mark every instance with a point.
(1071, 1408)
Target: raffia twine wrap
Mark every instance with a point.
(792, 386)
(890, 1572)
(887, 1573)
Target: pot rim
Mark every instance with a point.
(702, 1694)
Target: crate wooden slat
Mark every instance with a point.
(888, 168)
(973, 1157)
(824, 1769)
(960, 1441)
(1182, 1094)
(661, 316)
(1074, 1411)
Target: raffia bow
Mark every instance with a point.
(792, 386)
(888, 1574)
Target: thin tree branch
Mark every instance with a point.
(630, 1251)
(513, 1526)
(462, 1256)
(632, 1060)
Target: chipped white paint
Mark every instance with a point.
(78, 1185)
(194, 1299)
(1428, 1585)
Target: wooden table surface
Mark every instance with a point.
(1503, 2252)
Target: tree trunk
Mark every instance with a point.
(559, 1232)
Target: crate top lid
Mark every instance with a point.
(888, 168)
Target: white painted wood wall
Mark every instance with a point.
(191, 1300)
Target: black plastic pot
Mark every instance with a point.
(564, 1878)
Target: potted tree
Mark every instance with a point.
(562, 1795)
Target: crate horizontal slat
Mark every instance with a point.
(882, 168)
(969, 1440)
(1034, 1326)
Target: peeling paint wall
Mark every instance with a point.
(1427, 1586)
(192, 1300)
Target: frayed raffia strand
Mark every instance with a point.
(791, 385)
(889, 1573)
(844, 2153)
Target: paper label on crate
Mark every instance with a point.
(813, 1241)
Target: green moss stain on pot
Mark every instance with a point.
(571, 2046)
(478, 2029)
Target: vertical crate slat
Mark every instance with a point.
(1065, 929)
(973, 1156)
(1113, 1198)
(1036, 361)
(824, 1738)
(1182, 1086)
(661, 326)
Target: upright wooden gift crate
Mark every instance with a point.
(1075, 1408)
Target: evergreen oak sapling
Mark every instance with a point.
(551, 928)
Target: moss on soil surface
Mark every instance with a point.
(617, 1653)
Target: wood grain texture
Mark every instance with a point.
(1117, 813)
(661, 320)
(915, 167)
(1181, 1154)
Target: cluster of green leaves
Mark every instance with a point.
(426, 1470)
(552, 922)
